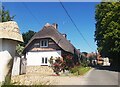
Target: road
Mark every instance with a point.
(93, 77)
(101, 77)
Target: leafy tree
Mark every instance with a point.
(107, 34)
(5, 15)
(85, 53)
(19, 49)
(27, 36)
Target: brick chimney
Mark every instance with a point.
(55, 25)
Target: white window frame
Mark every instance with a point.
(43, 61)
(41, 43)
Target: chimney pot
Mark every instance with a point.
(55, 25)
(64, 35)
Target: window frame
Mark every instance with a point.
(44, 61)
(44, 43)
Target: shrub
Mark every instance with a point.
(68, 59)
(57, 66)
(61, 65)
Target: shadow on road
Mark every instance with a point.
(116, 69)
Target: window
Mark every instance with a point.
(44, 60)
(44, 43)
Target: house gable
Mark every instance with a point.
(36, 45)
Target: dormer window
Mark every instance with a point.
(43, 43)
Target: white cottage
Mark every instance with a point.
(47, 43)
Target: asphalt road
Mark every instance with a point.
(98, 76)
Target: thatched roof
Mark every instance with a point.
(50, 32)
(10, 30)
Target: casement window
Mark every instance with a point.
(44, 60)
(43, 43)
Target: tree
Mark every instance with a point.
(5, 15)
(27, 36)
(19, 49)
(107, 34)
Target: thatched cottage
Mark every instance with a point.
(46, 43)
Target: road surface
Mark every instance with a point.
(93, 77)
(101, 77)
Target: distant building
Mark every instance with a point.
(99, 59)
(106, 61)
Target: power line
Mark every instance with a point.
(30, 12)
(75, 24)
(68, 16)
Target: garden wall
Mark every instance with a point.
(41, 70)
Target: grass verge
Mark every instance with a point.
(79, 70)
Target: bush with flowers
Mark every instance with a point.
(62, 64)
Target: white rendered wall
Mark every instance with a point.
(5, 59)
(16, 66)
(7, 52)
(35, 58)
(106, 62)
(10, 46)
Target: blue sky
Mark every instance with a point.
(34, 15)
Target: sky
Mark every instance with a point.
(34, 15)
